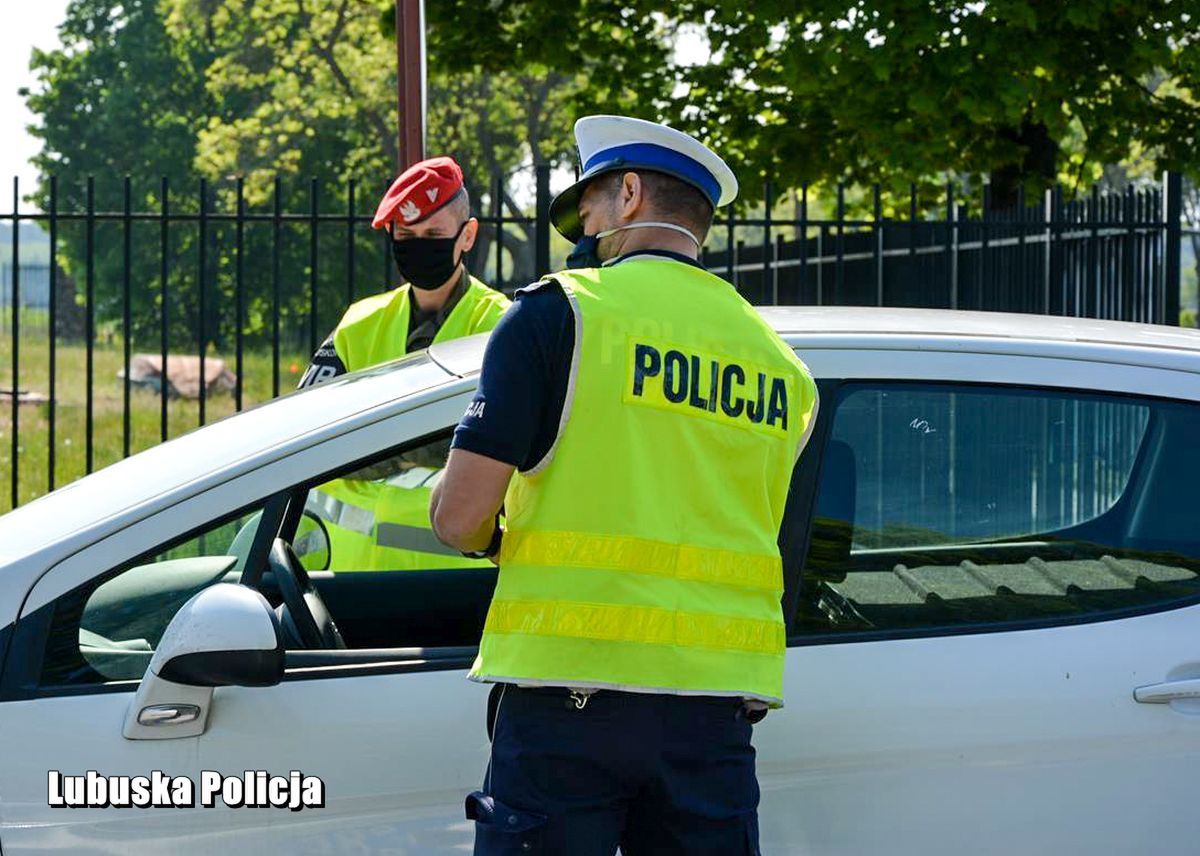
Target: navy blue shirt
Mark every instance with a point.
(515, 415)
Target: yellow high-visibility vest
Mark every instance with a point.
(375, 329)
(384, 525)
(642, 554)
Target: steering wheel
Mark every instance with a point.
(304, 617)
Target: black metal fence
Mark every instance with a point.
(203, 271)
(1114, 256)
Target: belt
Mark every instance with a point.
(752, 710)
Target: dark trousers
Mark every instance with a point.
(651, 774)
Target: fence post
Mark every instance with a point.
(767, 246)
(1047, 205)
(239, 298)
(163, 341)
(951, 247)
(91, 320)
(276, 238)
(53, 403)
(15, 308)
(1172, 273)
(877, 216)
(202, 313)
(541, 239)
(126, 317)
(803, 237)
(498, 214)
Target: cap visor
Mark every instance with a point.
(564, 211)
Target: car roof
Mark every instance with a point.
(813, 325)
(871, 320)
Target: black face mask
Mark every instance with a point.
(585, 254)
(427, 262)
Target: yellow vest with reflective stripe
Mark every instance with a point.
(641, 554)
(375, 525)
(375, 329)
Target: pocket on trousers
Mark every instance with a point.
(501, 829)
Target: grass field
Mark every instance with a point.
(108, 436)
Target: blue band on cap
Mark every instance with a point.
(651, 156)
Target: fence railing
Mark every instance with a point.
(201, 272)
(1111, 256)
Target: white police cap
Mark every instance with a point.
(609, 143)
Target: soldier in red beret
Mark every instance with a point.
(428, 214)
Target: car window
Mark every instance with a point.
(377, 516)
(943, 506)
(393, 584)
(365, 538)
(107, 630)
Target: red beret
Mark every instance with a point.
(420, 190)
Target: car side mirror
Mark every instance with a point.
(225, 635)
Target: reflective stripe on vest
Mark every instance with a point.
(372, 331)
(642, 553)
(341, 515)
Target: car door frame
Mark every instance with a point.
(127, 542)
(787, 776)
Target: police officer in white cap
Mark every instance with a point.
(639, 423)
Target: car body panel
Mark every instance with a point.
(395, 732)
(995, 743)
(54, 526)
(991, 742)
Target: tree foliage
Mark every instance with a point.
(262, 89)
(118, 98)
(890, 90)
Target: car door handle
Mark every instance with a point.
(1168, 692)
(168, 714)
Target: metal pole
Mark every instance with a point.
(951, 249)
(913, 277)
(91, 322)
(498, 213)
(803, 238)
(541, 242)
(983, 268)
(15, 308)
(201, 315)
(53, 404)
(877, 217)
(1047, 206)
(276, 306)
(239, 297)
(841, 243)
(1092, 294)
(1172, 273)
(768, 203)
(126, 318)
(410, 79)
(164, 248)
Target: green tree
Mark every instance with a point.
(117, 98)
(309, 88)
(262, 90)
(893, 90)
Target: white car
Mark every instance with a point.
(992, 559)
